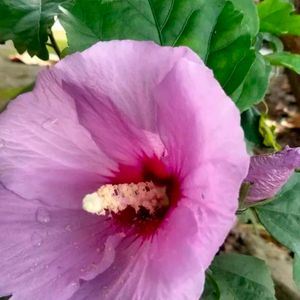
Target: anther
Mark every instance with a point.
(115, 198)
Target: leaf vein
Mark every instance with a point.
(168, 15)
(156, 23)
(184, 27)
(138, 10)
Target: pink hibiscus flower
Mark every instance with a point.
(119, 176)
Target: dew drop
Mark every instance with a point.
(43, 215)
(68, 228)
(36, 239)
(74, 285)
(49, 123)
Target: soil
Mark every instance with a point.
(283, 110)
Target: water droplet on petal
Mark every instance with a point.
(68, 228)
(36, 239)
(49, 123)
(74, 285)
(43, 215)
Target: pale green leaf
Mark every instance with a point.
(285, 59)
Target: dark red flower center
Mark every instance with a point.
(144, 222)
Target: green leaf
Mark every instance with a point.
(250, 123)
(26, 23)
(230, 46)
(8, 94)
(254, 87)
(211, 288)
(285, 59)
(216, 30)
(278, 17)
(296, 270)
(166, 22)
(281, 217)
(242, 277)
(251, 19)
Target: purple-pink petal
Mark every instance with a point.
(90, 114)
(268, 173)
(45, 251)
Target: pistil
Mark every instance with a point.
(114, 198)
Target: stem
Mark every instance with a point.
(54, 44)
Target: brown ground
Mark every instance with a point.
(284, 110)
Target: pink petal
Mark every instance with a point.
(159, 268)
(46, 251)
(211, 159)
(205, 148)
(45, 152)
(121, 75)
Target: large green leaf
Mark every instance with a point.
(278, 17)
(26, 23)
(254, 87)
(251, 19)
(230, 54)
(211, 288)
(166, 22)
(281, 217)
(216, 30)
(241, 277)
(285, 59)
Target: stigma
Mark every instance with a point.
(114, 198)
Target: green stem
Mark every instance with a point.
(54, 44)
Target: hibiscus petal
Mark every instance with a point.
(208, 153)
(210, 158)
(268, 173)
(43, 144)
(46, 251)
(122, 76)
(159, 268)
